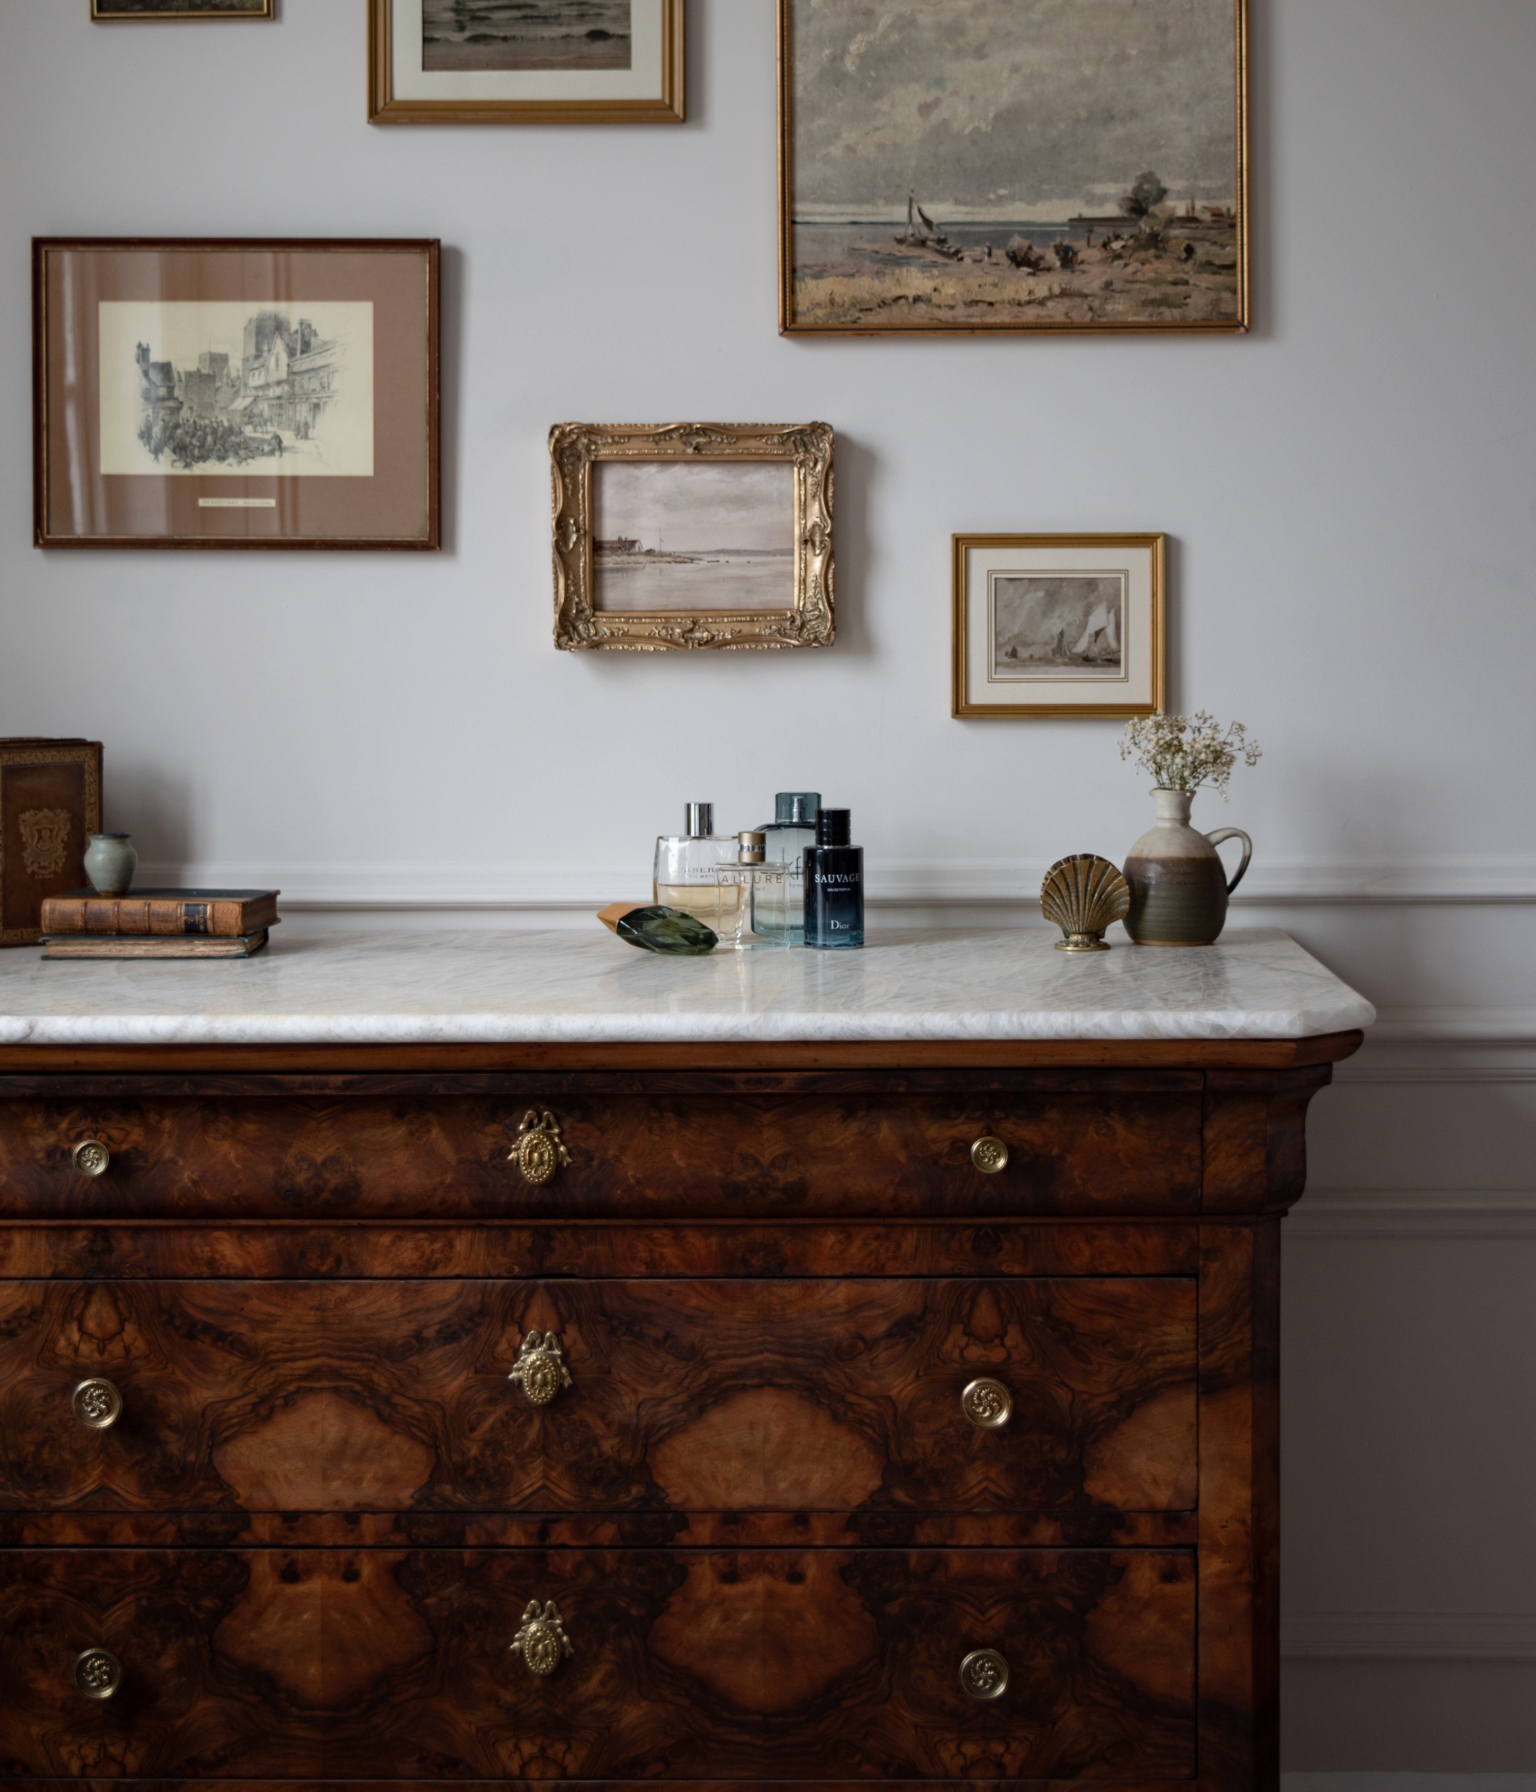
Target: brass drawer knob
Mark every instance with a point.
(989, 1155)
(91, 1157)
(540, 1369)
(984, 1674)
(98, 1674)
(542, 1641)
(96, 1404)
(539, 1150)
(987, 1404)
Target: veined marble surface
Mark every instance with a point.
(569, 987)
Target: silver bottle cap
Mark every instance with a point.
(750, 847)
(701, 820)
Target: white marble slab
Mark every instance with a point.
(570, 987)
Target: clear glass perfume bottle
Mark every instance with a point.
(786, 837)
(760, 917)
(834, 884)
(685, 872)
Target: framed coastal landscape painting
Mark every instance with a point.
(105, 11)
(692, 535)
(235, 393)
(525, 61)
(1058, 625)
(1012, 165)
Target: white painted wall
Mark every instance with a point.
(1349, 491)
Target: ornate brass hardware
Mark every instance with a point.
(539, 1150)
(1083, 894)
(987, 1404)
(989, 1155)
(984, 1674)
(96, 1403)
(98, 1674)
(540, 1369)
(542, 1641)
(91, 1157)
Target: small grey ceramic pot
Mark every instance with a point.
(109, 863)
(1179, 886)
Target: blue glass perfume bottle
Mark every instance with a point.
(786, 837)
(834, 884)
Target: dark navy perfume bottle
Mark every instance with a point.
(834, 884)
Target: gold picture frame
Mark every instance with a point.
(696, 514)
(1015, 263)
(1047, 626)
(650, 93)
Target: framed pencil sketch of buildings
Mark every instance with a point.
(680, 536)
(104, 11)
(983, 165)
(214, 393)
(525, 61)
(1058, 625)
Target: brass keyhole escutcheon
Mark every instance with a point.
(539, 1150)
(984, 1674)
(989, 1155)
(96, 1403)
(98, 1674)
(540, 1369)
(986, 1403)
(91, 1157)
(542, 1641)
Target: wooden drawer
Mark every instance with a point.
(1081, 1151)
(822, 1665)
(690, 1396)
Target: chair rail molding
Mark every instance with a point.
(1408, 1636)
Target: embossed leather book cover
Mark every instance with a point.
(50, 802)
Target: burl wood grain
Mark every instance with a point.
(738, 1156)
(789, 1395)
(799, 1665)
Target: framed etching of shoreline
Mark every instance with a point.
(110, 11)
(692, 535)
(525, 61)
(232, 393)
(986, 165)
(1058, 625)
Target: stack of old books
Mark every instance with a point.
(158, 924)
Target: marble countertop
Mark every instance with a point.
(569, 987)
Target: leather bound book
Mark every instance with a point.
(222, 914)
(50, 801)
(140, 945)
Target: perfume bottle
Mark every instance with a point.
(834, 884)
(685, 872)
(759, 916)
(792, 829)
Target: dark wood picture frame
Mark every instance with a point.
(387, 497)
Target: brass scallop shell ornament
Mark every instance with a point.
(1083, 894)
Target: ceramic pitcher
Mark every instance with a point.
(1179, 886)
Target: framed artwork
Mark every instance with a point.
(692, 535)
(1058, 625)
(104, 10)
(981, 165)
(525, 62)
(231, 393)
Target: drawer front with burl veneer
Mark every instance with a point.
(599, 1665)
(1082, 1151)
(1009, 1394)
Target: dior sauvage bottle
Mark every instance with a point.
(685, 872)
(834, 884)
(786, 837)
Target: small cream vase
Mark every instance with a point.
(1179, 886)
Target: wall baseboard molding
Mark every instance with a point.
(1408, 1636)
(1415, 1213)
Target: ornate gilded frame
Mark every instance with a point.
(665, 107)
(964, 701)
(790, 325)
(575, 447)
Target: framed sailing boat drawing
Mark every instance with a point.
(982, 165)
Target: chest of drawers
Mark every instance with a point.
(716, 1415)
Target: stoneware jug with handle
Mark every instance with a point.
(1179, 886)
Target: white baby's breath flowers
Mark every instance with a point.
(1188, 752)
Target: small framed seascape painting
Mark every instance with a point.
(683, 536)
(222, 393)
(105, 10)
(989, 165)
(525, 61)
(1058, 625)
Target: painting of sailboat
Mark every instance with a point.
(1066, 625)
(977, 165)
